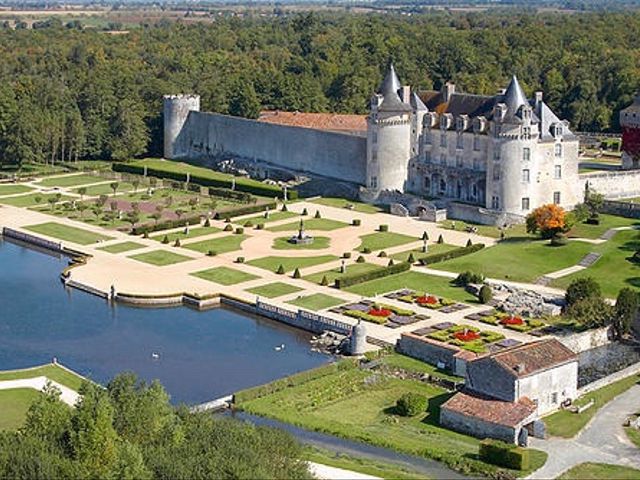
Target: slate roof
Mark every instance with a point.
(389, 88)
(319, 121)
(534, 357)
(514, 97)
(459, 103)
(509, 414)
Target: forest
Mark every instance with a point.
(69, 93)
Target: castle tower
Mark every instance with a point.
(389, 140)
(630, 123)
(176, 109)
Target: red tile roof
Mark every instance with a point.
(319, 121)
(510, 414)
(530, 358)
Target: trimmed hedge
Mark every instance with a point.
(354, 279)
(165, 225)
(504, 455)
(244, 210)
(292, 381)
(232, 194)
(455, 253)
(215, 179)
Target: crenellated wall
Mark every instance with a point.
(336, 155)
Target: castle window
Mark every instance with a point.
(373, 182)
(525, 203)
(558, 150)
(427, 157)
(374, 137)
(374, 155)
(443, 186)
(557, 172)
(476, 164)
(556, 198)
(526, 154)
(427, 139)
(427, 183)
(558, 130)
(526, 133)
(526, 175)
(443, 139)
(554, 398)
(496, 172)
(459, 140)
(496, 154)
(476, 142)
(443, 159)
(495, 202)
(459, 161)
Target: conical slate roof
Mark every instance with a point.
(391, 82)
(417, 104)
(514, 97)
(391, 101)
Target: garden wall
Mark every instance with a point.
(620, 184)
(581, 341)
(431, 352)
(476, 427)
(622, 209)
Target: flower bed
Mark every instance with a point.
(512, 322)
(378, 313)
(425, 300)
(467, 337)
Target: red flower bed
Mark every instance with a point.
(512, 320)
(380, 312)
(427, 300)
(467, 336)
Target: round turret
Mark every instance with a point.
(358, 339)
(176, 109)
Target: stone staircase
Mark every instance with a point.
(608, 235)
(543, 280)
(589, 259)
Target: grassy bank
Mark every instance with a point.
(599, 471)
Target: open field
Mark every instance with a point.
(317, 301)
(566, 424)
(14, 404)
(224, 275)
(273, 290)
(67, 233)
(600, 471)
(290, 263)
(160, 258)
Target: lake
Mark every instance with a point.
(202, 355)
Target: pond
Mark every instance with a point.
(200, 355)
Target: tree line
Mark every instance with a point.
(128, 430)
(73, 93)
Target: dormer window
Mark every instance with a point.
(526, 133)
(558, 130)
(476, 142)
(558, 150)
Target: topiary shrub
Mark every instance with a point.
(559, 240)
(165, 239)
(383, 228)
(240, 260)
(504, 454)
(356, 222)
(260, 226)
(360, 259)
(284, 208)
(317, 215)
(485, 295)
(145, 235)
(411, 404)
(304, 211)
(325, 281)
(176, 243)
(346, 255)
(465, 278)
(207, 223)
(296, 273)
(228, 228)
(382, 254)
(469, 243)
(280, 270)
(391, 263)
(440, 239)
(227, 220)
(411, 258)
(366, 250)
(239, 231)
(211, 253)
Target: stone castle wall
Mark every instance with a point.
(336, 155)
(619, 184)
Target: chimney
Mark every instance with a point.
(406, 94)
(538, 99)
(448, 90)
(520, 368)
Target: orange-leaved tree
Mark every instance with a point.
(548, 220)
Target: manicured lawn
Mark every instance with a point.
(310, 224)
(122, 247)
(70, 180)
(417, 252)
(224, 275)
(219, 245)
(317, 301)
(273, 290)
(342, 203)
(613, 270)
(160, 258)
(11, 189)
(600, 471)
(368, 466)
(105, 189)
(566, 424)
(319, 243)
(348, 404)
(486, 230)
(290, 263)
(273, 217)
(412, 365)
(30, 200)
(606, 222)
(14, 404)
(67, 233)
(354, 268)
(53, 372)
(193, 233)
(519, 259)
(421, 282)
(382, 240)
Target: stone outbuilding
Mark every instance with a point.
(506, 392)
